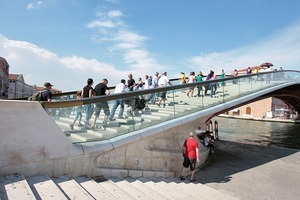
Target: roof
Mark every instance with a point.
(14, 77)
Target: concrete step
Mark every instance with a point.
(147, 190)
(122, 126)
(136, 193)
(65, 126)
(44, 188)
(71, 188)
(186, 107)
(154, 117)
(160, 189)
(94, 188)
(87, 137)
(163, 114)
(171, 112)
(15, 187)
(74, 140)
(113, 188)
(199, 190)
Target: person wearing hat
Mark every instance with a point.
(46, 94)
(190, 152)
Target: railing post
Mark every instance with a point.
(216, 136)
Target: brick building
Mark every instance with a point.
(266, 108)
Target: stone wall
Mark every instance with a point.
(32, 144)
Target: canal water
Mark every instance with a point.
(274, 134)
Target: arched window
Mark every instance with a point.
(248, 111)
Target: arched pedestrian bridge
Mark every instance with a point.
(37, 138)
(231, 93)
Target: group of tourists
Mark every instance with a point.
(192, 78)
(149, 82)
(102, 89)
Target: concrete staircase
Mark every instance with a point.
(17, 186)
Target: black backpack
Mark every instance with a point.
(140, 103)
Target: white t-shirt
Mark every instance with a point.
(120, 88)
(146, 85)
(206, 141)
(163, 81)
(154, 82)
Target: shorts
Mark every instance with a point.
(189, 162)
(163, 95)
(99, 106)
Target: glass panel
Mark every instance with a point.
(148, 109)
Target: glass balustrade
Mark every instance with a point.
(102, 117)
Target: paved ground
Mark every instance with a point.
(253, 172)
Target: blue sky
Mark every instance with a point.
(67, 41)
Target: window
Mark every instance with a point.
(248, 111)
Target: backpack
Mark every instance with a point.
(140, 103)
(150, 82)
(37, 96)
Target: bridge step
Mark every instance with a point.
(45, 188)
(15, 187)
(94, 188)
(145, 118)
(147, 190)
(130, 189)
(71, 188)
(113, 187)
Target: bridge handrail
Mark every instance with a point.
(95, 99)
(179, 103)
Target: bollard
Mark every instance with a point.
(211, 127)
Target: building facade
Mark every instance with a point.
(18, 88)
(266, 108)
(4, 79)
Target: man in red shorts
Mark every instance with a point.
(190, 151)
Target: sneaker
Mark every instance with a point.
(71, 126)
(192, 180)
(182, 178)
(80, 124)
(111, 119)
(121, 117)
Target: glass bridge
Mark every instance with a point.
(64, 106)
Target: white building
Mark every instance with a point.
(4, 71)
(18, 88)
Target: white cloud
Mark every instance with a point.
(67, 73)
(281, 49)
(123, 41)
(100, 24)
(114, 14)
(36, 5)
(129, 37)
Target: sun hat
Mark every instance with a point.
(47, 84)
